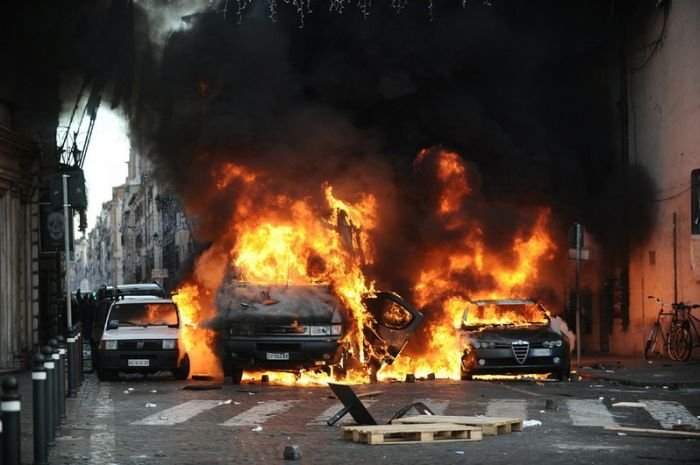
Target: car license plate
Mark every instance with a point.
(278, 356)
(138, 362)
(541, 352)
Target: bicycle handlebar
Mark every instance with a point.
(674, 305)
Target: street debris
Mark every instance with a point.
(630, 404)
(459, 452)
(654, 432)
(528, 423)
(150, 405)
(226, 402)
(256, 429)
(292, 452)
(490, 426)
(410, 433)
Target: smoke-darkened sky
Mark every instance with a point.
(527, 92)
(524, 91)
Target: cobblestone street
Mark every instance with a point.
(162, 421)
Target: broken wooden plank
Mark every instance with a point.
(630, 404)
(490, 426)
(360, 395)
(411, 433)
(658, 432)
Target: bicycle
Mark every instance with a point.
(652, 348)
(683, 333)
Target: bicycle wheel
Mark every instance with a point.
(680, 342)
(652, 348)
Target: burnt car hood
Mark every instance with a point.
(240, 302)
(507, 334)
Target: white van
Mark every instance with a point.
(141, 334)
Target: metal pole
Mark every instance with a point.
(9, 412)
(39, 407)
(70, 342)
(69, 315)
(578, 298)
(675, 262)
(61, 377)
(56, 381)
(49, 365)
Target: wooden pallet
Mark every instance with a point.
(411, 433)
(490, 426)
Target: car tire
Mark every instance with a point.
(236, 375)
(564, 374)
(466, 376)
(182, 372)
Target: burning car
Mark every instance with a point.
(511, 336)
(298, 327)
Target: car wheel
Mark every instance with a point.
(236, 375)
(563, 375)
(466, 376)
(107, 375)
(183, 371)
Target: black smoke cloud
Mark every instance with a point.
(515, 88)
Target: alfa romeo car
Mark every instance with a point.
(512, 337)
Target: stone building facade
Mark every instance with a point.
(19, 224)
(664, 134)
(141, 235)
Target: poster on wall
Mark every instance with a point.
(52, 237)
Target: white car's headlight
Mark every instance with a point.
(111, 345)
(476, 344)
(169, 344)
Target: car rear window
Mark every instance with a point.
(152, 314)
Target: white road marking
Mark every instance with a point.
(508, 408)
(178, 414)
(260, 413)
(589, 412)
(670, 413)
(102, 443)
(332, 410)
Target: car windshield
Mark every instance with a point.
(503, 313)
(152, 314)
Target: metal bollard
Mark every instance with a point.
(56, 401)
(49, 365)
(79, 353)
(61, 377)
(39, 405)
(70, 342)
(9, 412)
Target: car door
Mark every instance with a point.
(394, 321)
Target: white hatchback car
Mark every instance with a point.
(142, 335)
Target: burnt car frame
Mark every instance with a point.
(301, 327)
(521, 348)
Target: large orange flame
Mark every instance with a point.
(277, 239)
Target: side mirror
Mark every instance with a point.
(113, 324)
